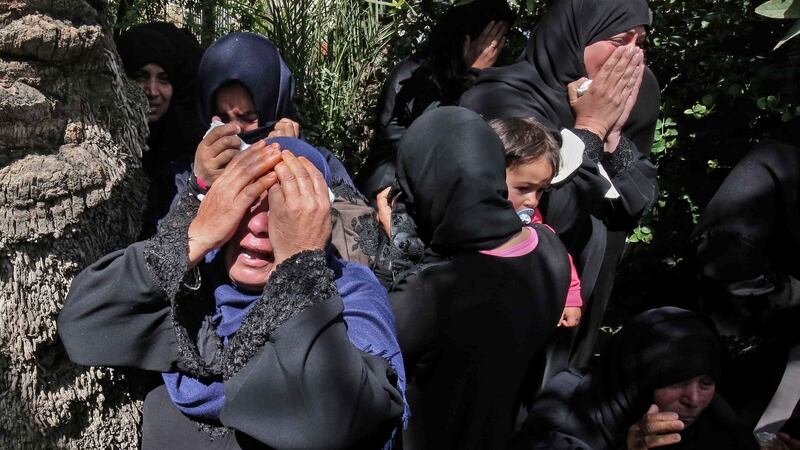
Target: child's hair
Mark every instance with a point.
(526, 140)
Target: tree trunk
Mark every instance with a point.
(72, 131)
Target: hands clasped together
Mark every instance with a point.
(262, 179)
(606, 105)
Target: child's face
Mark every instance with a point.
(527, 181)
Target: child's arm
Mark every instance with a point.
(572, 312)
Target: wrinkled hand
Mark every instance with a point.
(612, 139)
(215, 151)
(242, 182)
(570, 317)
(655, 429)
(484, 50)
(299, 208)
(285, 128)
(384, 211)
(600, 108)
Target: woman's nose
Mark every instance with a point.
(691, 395)
(150, 88)
(258, 222)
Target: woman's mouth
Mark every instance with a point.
(255, 258)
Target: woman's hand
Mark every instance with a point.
(215, 151)
(242, 182)
(384, 211)
(299, 208)
(285, 128)
(655, 429)
(613, 136)
(570, 317)
(484, 50)
(600, 108)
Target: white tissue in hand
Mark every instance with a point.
(218, 123)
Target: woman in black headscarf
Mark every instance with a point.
(164, 60)
(591, 212)
(465, 40)
(473, 318)
(659, 352)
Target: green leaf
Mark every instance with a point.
(793, 31)
(780, 9)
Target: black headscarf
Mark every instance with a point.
(254, 61)
(657, 348)
(451, 169)
(536, 86)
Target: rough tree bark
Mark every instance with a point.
(72, 130)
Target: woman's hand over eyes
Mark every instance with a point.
(215, 151)
(600, 108)
(484, 50)
(299, 208)
(655, 429)
(249, 175)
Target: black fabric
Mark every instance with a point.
(747, 242)
(472, 330)
(751, 227)
(173, 138)
(594, 410)
(434, 76)
(451, 168)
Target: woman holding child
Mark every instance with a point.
(615, 185)
(474, 318)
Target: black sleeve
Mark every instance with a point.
(632, 174)
(115, 315)
(570, 202)
(308, 386)
(635, 178)
(118, 309)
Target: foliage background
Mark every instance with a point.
(723, 89)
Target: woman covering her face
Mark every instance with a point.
(250, 65)
(163, 60)
(272, 341)
(653, 386)
(465, 40)
(614, 184)
(473, 319)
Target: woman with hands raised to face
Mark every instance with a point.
(245, 84)
(467, 39)
(653, 386)
(270, 341)
(606, 128)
